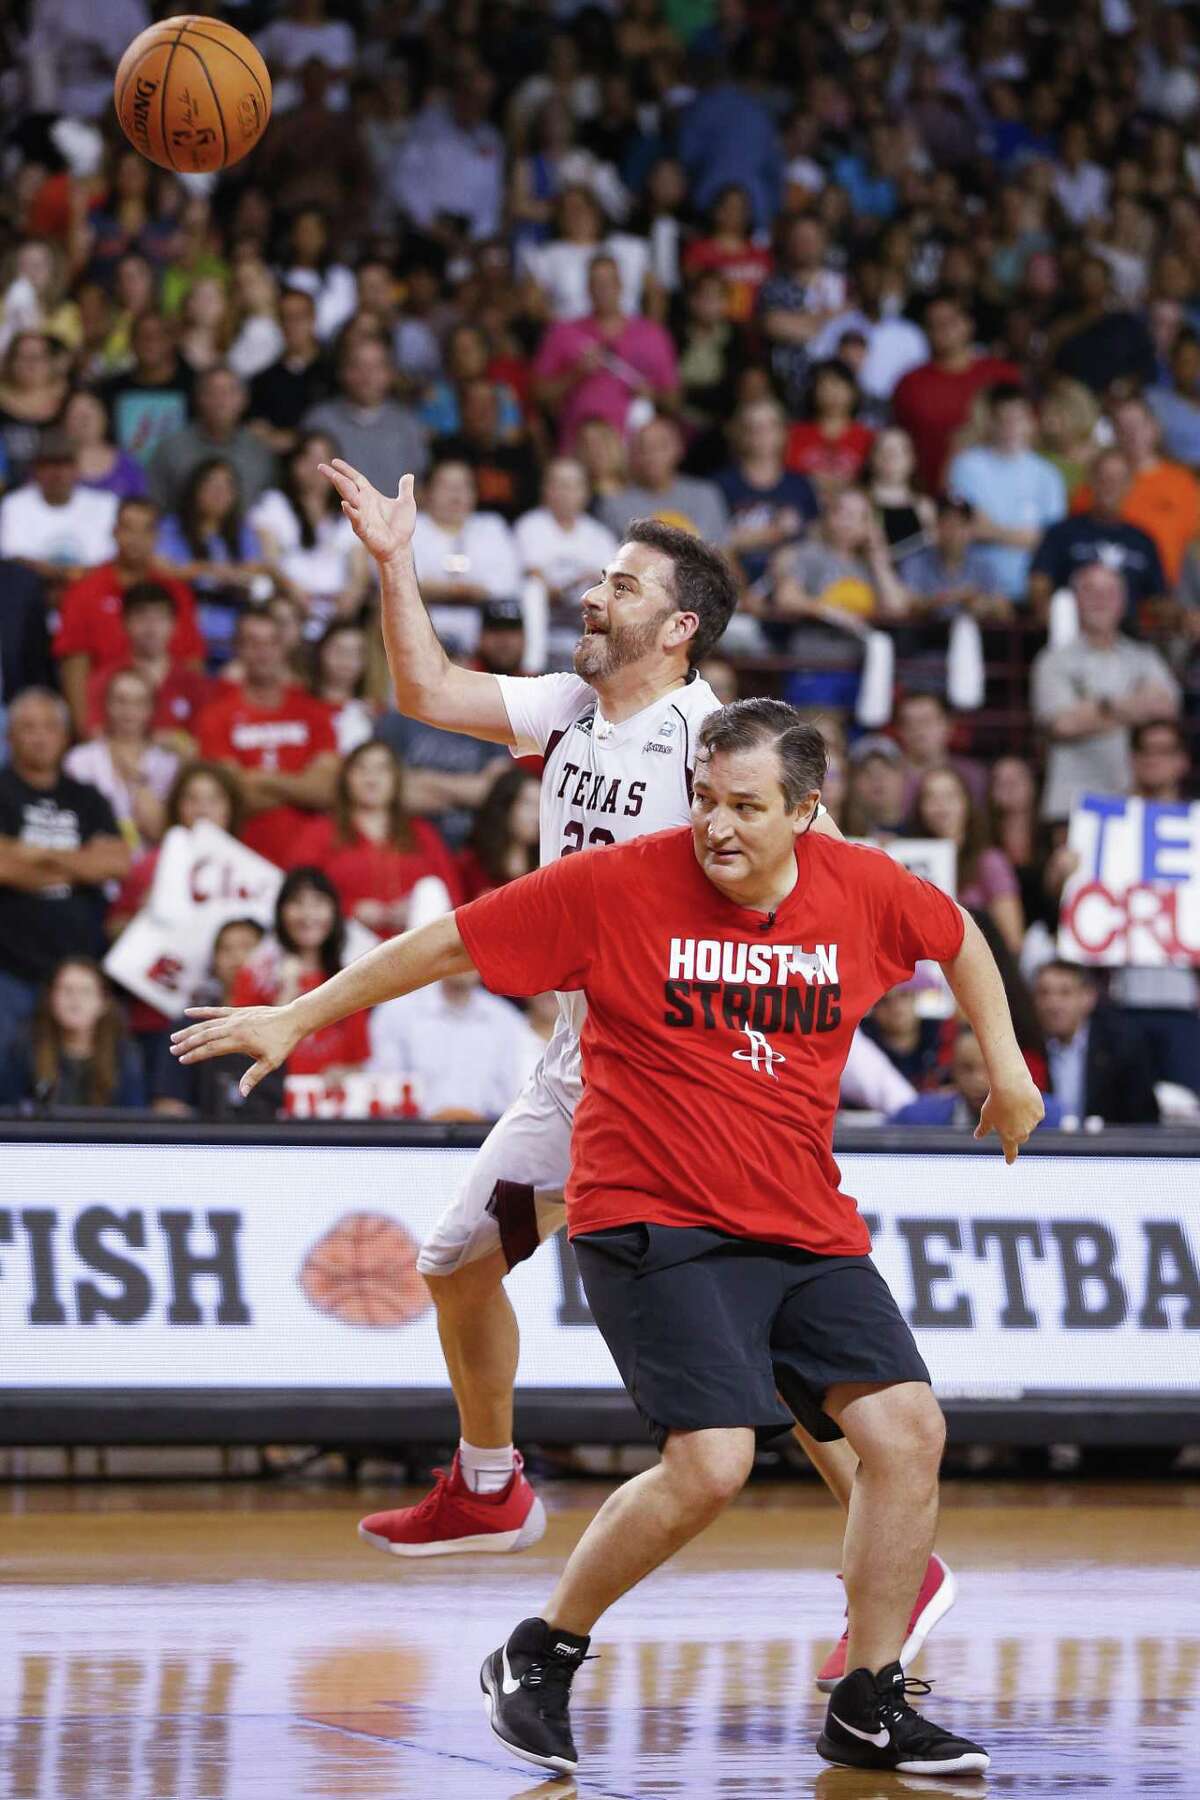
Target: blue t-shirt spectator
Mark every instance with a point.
(1018, 490)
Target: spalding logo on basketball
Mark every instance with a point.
(364, 1272)
(192, 94)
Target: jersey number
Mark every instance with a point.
(573, 836)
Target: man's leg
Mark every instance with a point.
(481, 1343)
(647, 1519)
(836, 1463)
(898, 1434)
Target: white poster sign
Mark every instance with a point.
(1134, 899)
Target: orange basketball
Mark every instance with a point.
(192, 94)
(364, 1272)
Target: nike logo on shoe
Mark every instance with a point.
(881, 1739)
(510, 1685)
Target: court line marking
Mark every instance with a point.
(459, 1756)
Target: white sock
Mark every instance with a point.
(485, 1471)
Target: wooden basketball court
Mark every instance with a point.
(206, 1642)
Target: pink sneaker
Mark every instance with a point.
(934, 1601)
(452, 1519)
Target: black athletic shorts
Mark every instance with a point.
(709, 1330)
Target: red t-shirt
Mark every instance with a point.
(283, 739)
(180, 697)
(345, 1044)
(90, 622)
(713, 1047)
(362, 870)
(810, 452)
(932, 404)
(745, 269)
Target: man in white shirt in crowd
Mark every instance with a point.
(52, 525)
(659, 491)
(466, 1051)
(562, 551)
(1087, 695)
(463, 557)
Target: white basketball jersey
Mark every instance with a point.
(601, 784)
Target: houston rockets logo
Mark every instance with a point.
(760, 1053)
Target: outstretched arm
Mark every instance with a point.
(428, 685)
(1013, 1107)
(269, 1034)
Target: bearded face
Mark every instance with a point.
(603, 649)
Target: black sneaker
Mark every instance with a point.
(526, 1686)
(870, 1725)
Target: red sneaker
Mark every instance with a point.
(934, 1601)
(452, 1519)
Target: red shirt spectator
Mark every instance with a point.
(278, 735)
(180, 690)
(341, 1046)
(304, 950)
(371, 850)
(932, 402)
(179, 698)
(836, 459)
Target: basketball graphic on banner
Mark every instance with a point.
(364, 1272)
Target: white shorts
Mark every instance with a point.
(513, 1196)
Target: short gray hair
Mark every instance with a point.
(745, 724)
(45, 695)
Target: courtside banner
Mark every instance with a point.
(1134, 898)
(292, 1267)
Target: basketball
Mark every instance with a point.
(364, 1272)
(192, 94)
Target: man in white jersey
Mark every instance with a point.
(618, 741)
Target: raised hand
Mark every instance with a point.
(383, 523)
(266, 1034)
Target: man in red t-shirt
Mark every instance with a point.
(278, 739)
(725, 970)
(933, 402)
(180, 689)
(91, 633)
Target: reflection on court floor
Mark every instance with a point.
(216, 1654)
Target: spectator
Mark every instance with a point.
(33, 389)
(204, 324)
(837, 578)
(504, 465)
(505, 838)
(1101, 341)
(24, 645)
(1099, 1064)
(798, 301)
(75, 1052)
(1163, 1003)
(1086, 696)
(292, 45)
(449, 179)
(370, 847)
(875, 808)
(304, 534)
(210, 1090)
(257, 339)
(1177, 407)
(562, 551)
(296, 382)
(911, 1043)
(712, 361)
(375, 433)
(925, 730)
(467, 1051)
(601, 450)
(277, 739)
(91, 635)
(933, 401)
(951, 575)
(1015, 493)
(462, 557)
(598, 366)
(309, 265)
(959, 1106)
(340, 680)
(306, 947)
(892, 343)
(58, 844)
(315, 155)
(1080, 185)
(832, 446)
(201, 791)
(1163, 498)
(1067, 419)
(731, 249)
(1015, 828)
(908, 517)
(122, 763)
(53, 525)
(727, 138)
(659, 491)
(466, 360)
(152, 402)
(560, 270)
(1100, 534)
(99, 464)
(944, 808)
(210, 545)
(35, 299)
(218, 434)
(769, 505)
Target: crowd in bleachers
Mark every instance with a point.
(898, 304)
